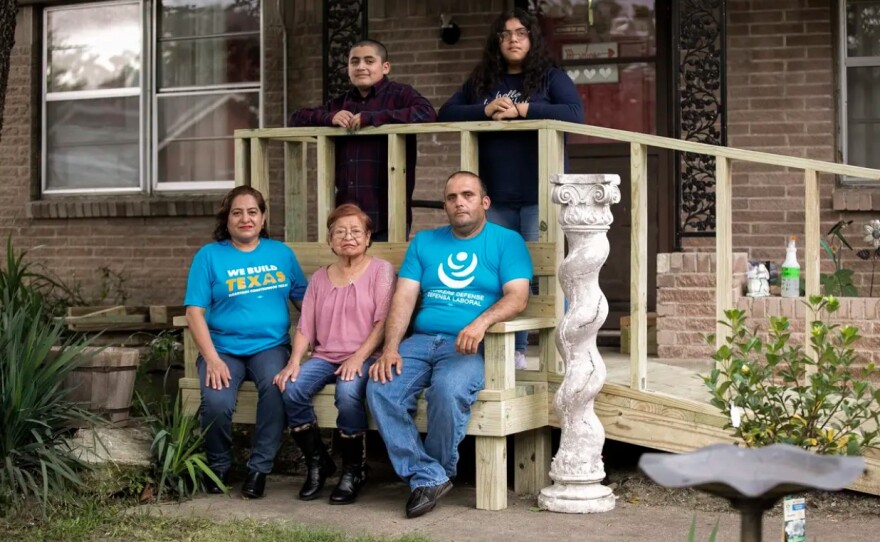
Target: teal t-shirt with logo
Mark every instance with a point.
(461, 278)
(245, 294)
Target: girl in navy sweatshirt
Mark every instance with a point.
(516, 79)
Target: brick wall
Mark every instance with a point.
(781, 99)
(686, 301)
(686, 308)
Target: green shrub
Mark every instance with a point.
(35, 412)
(179, 463)
(782, 394)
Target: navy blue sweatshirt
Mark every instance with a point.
(509, 160)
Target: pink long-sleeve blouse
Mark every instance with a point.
(338, 319)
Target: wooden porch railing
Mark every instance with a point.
(251, 167)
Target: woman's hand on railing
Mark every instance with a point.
(498, 105)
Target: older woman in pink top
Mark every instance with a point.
(343, 319)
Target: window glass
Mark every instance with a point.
(201, 126)
(93, 143)
(195, 18)
(863, 116)
(210, 61)
(860, 114)
(863, 28)
(96, 47)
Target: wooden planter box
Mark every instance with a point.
(104, 384)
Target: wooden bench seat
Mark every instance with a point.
(512, 402)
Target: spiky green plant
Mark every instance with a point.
(179, 462)
(36, 413)
(692, 533)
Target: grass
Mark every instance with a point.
(95, 521)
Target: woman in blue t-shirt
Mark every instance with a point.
(237, 310)
(515, 79)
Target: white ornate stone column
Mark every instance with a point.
(577, 469)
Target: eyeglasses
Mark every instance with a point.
(341, 233)
(520, 33)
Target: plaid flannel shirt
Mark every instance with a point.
(362, 161)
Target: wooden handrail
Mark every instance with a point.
(571, 128)
(251, 168)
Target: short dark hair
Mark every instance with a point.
(221, 230)
(465, 173)
(380, 48)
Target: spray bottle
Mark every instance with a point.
(791, 271)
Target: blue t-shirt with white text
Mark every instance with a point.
(461, 278)
(245, 294)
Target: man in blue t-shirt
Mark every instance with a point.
(469, 275)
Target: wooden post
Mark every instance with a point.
(723, 246)
(242, 161)
(551, 160)
(638, 281)
(532, 455)
(470, 157)
(811, 252)
(260, 170)
(295, 192)
(492, 451)
(396, 188)
(326, 188)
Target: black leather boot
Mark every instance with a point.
(319, 464)
(354, 469)
(211, 486)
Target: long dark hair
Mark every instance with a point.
(493, 66)
(221, 231)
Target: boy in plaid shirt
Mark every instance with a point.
(362, 161)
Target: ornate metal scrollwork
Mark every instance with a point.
(699, 53)
(345, 22)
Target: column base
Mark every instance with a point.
(574, 498)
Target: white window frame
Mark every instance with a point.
(168, 187)
(849, 62)
(149, 96)
(83, 94)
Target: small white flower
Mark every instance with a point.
(872, 233)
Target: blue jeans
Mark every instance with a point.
(218, 405)
(350, 396)
(451, 382)
(524, 219)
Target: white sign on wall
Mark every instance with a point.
(592, 75)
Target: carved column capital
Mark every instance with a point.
(586, 200)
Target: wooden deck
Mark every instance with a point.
(673, 413)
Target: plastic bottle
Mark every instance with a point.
(790, 278)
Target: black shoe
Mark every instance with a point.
(254, 485)
(423, 499)
(211, 486)
(319, 464)
(354, 470)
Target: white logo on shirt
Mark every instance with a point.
(462, 272)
